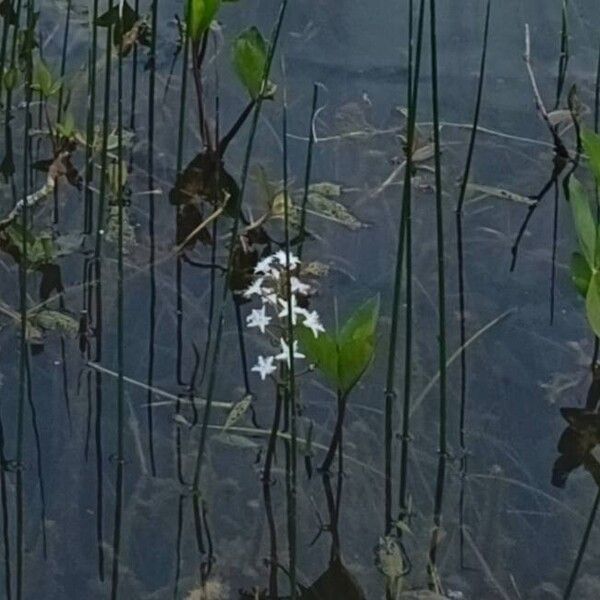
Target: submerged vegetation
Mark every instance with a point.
(244, 354)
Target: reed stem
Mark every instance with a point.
(442, 446)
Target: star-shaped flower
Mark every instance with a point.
(258, 318)
(264, 367)
(285, 352)
(256, 288)
(312, 321)
(281, 257)
(299, 287)
(270, 298)
(296, 310)
(264, 266)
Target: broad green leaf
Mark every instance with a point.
(200, 14)
(585, 224)
(592, 303)
(344, 358)
(580, 273)
(591, 146)
(356, 344)
(321, 351)
(250, 59)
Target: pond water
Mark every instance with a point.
(115, 482)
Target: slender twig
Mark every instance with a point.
(563, 61)
(308, 169)
(461, 286)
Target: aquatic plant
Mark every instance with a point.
(342, 356)
(583, 433)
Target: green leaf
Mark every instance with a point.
(591, 146)
(249, 61)
(344, 358)
(11, 78)
(42, 79)
(200, 14)
(66, 127)
(356, 344)
(580, 273)
(585, 224)
(321, 351)
(592, 303)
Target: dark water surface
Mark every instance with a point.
(522, 534)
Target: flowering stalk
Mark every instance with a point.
(270, 287)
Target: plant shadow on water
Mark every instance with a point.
(278, 310)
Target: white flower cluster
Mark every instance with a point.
(270, 286)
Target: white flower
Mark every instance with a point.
(264, 366)
(285, 352)
(312, 321)
(296, 310)
(256, 288)
(258, 318)
(270, 298)
(264, 265)
(281, 257)
(297, 286)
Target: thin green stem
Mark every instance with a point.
(442, 444)
(461, 285)
(390, 392)
(291, 395)
(308, 169)
(120, 337)
(582, 548)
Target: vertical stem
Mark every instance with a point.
(582, 548)
(461, 287)
(90, 126)
(308, 169)
(178, 264)
(563, 61)
(23, 357)
(120, 335)
(151, 233)
(439, 493)
(291, 395)
(63, 61)
(390, 393)
(273, 562)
